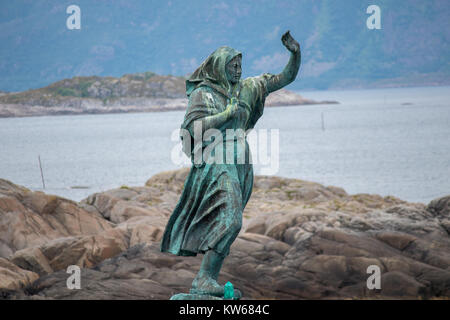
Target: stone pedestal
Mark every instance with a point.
(190, 296)
(230, 294)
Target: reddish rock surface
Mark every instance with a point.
(300, 240)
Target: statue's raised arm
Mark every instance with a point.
(290, 71)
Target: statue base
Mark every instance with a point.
(190, 296)
(195, 296)
(229, 294)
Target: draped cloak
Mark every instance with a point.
(208, 214)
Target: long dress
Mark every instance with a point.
(208, 214)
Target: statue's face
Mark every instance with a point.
(233, 69)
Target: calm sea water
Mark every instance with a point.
(389, 142)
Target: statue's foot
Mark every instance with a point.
(207, 286)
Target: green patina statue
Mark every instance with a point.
(208, 216)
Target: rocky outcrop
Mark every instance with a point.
(285, 97)
(140, 92)
(44, 233)
(440, 208)
(14, 278)
(33, 218)
(300, 240)
(75, 106)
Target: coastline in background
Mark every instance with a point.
(388, 142)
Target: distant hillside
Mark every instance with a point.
(140, 92)
(106, 89)
(174, 37)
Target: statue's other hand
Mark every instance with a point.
(290, 43)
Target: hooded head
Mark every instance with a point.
(212, 71)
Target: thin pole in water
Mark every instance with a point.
(42, 175)
(323, 122)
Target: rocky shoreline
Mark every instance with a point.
(76, 106)
(139, 92)
(300, 240)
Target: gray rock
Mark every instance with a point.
(294, 247)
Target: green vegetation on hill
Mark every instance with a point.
(146, 85)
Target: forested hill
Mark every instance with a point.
(174, 37)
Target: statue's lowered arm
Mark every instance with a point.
(217, 120)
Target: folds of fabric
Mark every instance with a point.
(208, 214)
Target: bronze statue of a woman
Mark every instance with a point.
(208, 216)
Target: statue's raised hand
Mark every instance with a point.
(290, 43)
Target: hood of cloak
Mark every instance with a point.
(212, 72)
